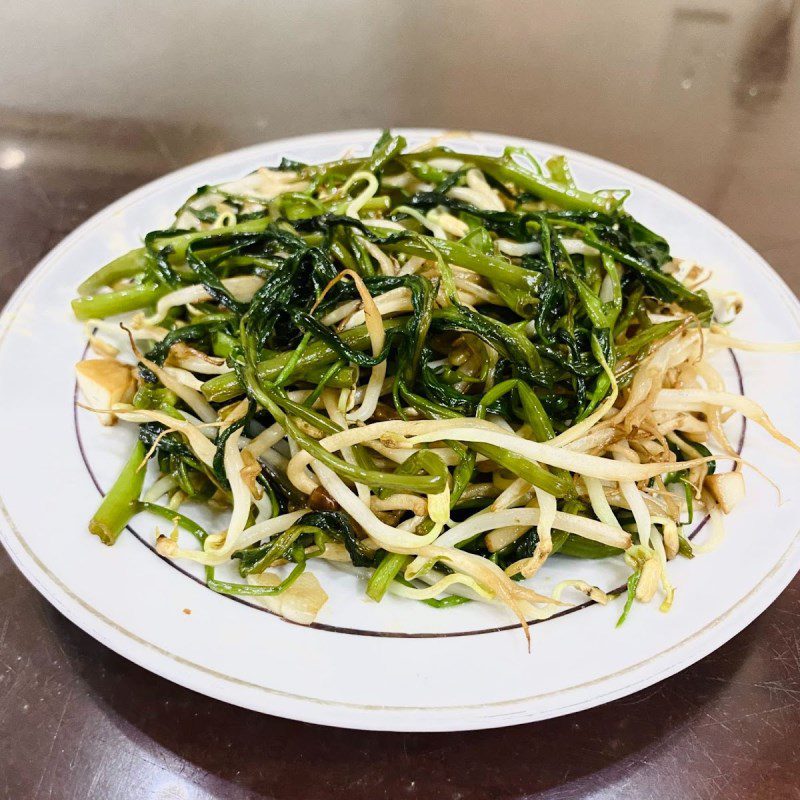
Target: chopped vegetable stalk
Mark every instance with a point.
(122, 501)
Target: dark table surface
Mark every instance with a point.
(97, 98)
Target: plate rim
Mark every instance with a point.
(136, 649)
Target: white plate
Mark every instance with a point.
(397, 665)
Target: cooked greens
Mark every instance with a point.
(439, 367)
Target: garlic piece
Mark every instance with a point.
(104, 382)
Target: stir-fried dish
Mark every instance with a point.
(437, 370)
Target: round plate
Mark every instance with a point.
(396, 665)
